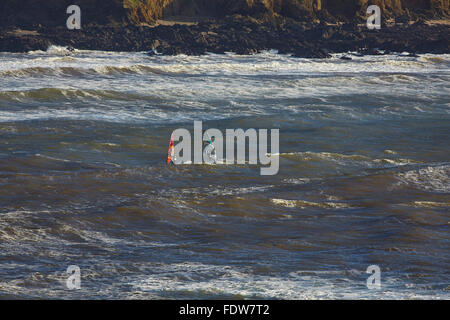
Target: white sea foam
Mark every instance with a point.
(132, 87)
(303, 204)
(434, 179)
(202, 280)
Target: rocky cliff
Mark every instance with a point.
(29, 13)
(297, 9)
(233, 29)
(26, 13)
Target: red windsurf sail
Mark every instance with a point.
(171, 152)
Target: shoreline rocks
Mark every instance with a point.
(242, 35)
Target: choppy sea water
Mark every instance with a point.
(363, 180)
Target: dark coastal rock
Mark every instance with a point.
(52, 13)
(370, 52)
(242, 35)
(311, 53)
(17, 43)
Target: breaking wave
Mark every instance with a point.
(434, 179)
(59, 94)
